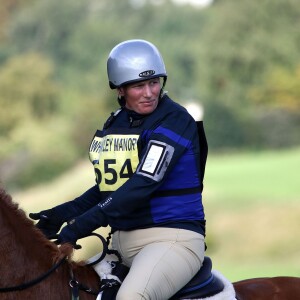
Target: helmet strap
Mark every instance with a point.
(162, 88)
(121, 101)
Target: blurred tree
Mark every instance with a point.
(46, 27)
(7, 9)
(276, 127)
(277, 101)
(242, 43)
(229, 56)
(243, 40)
(223, 127)
(27, 91)
(79, 35)
(35, 137)
(279, 89)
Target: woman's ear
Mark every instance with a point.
(121, 98)
(120, 92)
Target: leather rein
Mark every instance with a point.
(35, 281)
(74, 284)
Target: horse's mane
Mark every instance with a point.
(18, 219)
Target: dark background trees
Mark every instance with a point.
(240, 60)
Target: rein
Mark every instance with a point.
(34, 281)
(105, 250)
(73, 283)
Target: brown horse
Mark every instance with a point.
(26, 255)
(275, 288)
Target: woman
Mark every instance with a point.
(149, 172)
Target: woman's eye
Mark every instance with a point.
(154, 82)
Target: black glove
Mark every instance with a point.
(49, 222)
(69, 234)
(82, 226)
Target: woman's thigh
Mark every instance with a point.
(161, 263)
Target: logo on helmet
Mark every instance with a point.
(147, 73)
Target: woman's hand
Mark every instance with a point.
(49, 222)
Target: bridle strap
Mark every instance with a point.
(76, 287)
(74, 284)
(34, 281)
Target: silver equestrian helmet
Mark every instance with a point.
(132, 61)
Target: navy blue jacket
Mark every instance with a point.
(165, 187)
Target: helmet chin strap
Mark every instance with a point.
(162, 88)
(121, 101)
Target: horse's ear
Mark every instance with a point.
(65, 250)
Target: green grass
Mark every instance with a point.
(248, 178)
(238, 270)
(252, 203)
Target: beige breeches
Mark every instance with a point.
(161, 261)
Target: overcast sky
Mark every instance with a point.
(197, 3)
(194, 2)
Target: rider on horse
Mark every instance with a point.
(149, 161)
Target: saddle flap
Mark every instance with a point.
(204, 273)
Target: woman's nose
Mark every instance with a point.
(147, 90)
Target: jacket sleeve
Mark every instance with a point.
(79, 205)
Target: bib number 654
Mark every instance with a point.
(112, 172)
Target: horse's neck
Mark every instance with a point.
(22, 246)
(25, 254)
(12, 256)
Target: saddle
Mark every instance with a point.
(203, 284)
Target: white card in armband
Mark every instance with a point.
(156, 160)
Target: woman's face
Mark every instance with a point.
(142, 97)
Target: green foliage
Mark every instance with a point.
(243, 43)
(27, 91)
(278, 107)
(237, 58)
(223, 129)
(28, 117)
(38, 154)
(280, 89)
(7, 9)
